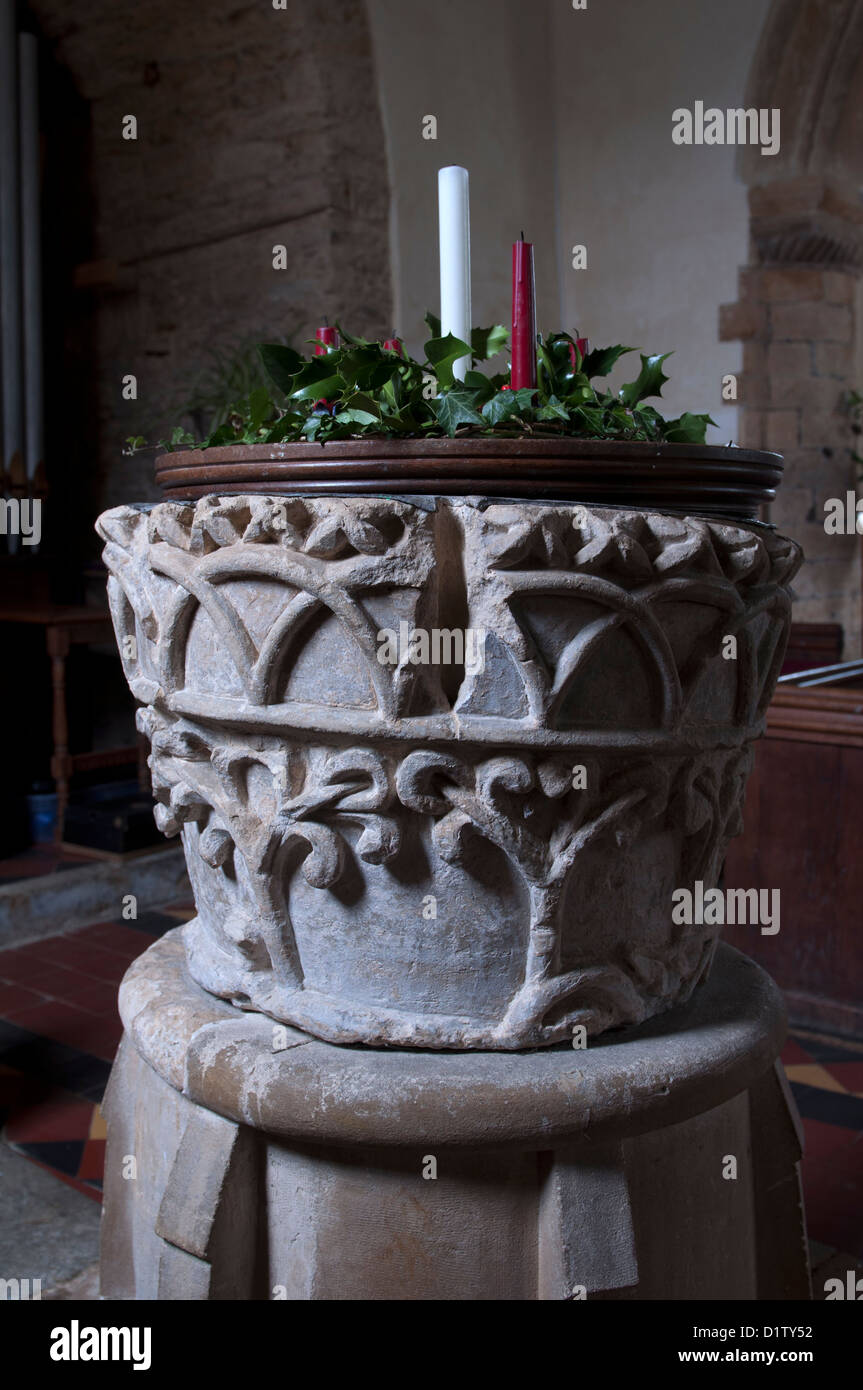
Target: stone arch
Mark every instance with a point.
(799, 307)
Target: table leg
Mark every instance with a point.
(58, 649)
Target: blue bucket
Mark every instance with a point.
(42, 815)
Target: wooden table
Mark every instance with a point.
(802, 836)
(66, 626)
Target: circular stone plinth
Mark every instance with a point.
(279, 1080)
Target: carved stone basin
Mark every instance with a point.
(398, 839)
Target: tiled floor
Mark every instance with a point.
(826, 1076)
(59, 1029)
(39, 860)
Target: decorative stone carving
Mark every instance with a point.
(475, 854)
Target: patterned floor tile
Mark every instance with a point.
(849, 1075)
(810, 1074)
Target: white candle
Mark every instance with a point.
(454, 222)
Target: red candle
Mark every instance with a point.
(327, 338)
(523, 316)
(394, 345)
(583, 347)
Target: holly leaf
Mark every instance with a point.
(349, 338)
(486, 342)
(442, 353)
(688, 429)
(287, 426)
(455, 408)
(280, 363)
(361, 401)
(365, 367)
(260, 408)
(224, 434)
(601, 361)
(377, 393)
(357, 417)
(649, 382)
(317, 378)
(558, 375)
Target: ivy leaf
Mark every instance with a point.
(486, 342)
(482, 386)
(553, 410)
(649, 382)
(688, 429)
(601, 361)
(442, 353)
(588, 420)
(455, 408)
(281, 364)
(312, 426)
(508, 403)
(651, 423)
(432, 323)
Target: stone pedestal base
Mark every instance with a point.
(247, 1160)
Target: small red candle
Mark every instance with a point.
(327, 338)
(583, 347)
(523, 316)
(394, 345)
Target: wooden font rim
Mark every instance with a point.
(702, 477)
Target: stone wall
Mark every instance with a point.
(485, 74)
(799, 327)
(665, 225)
(256, 126)
(799, 308)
